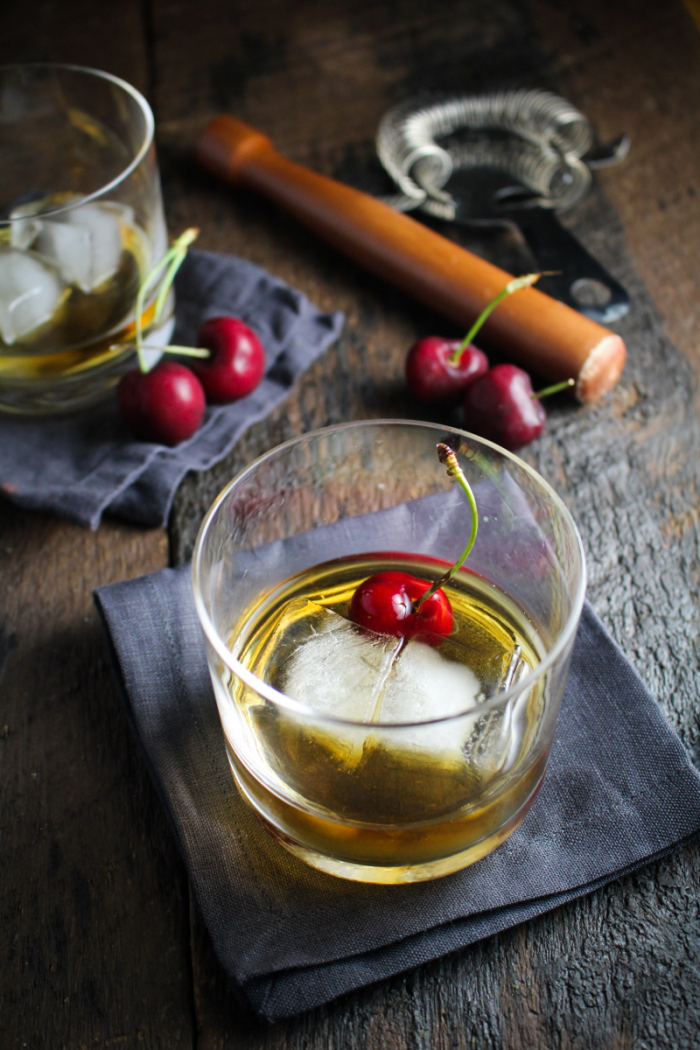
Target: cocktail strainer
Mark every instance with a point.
(511, 157)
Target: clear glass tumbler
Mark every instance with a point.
(81, 224)
(369, 758)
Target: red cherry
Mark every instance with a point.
(237, 361)
(433, 378)
(165, 405)
(500, 406)
(384, 603)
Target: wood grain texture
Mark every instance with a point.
(102, 946)
(82, 32)
(636, 68)
(93, 896)
(86, 854)
(619, 968)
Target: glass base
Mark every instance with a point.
(400, 875)
(385, 874)
(41, 395)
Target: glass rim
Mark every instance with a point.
(128, 89)
(280, 699)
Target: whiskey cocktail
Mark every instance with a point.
(374, 757)
(81, 224)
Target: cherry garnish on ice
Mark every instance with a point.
(405, 606)
(385, 603)
(236, 362)
(165, 405)
(439, 371)
(502, 407)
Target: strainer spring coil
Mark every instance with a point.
(540, 139)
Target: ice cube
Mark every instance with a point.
(488, 745)
(337, 669)
(30, 293)
(23, 232)
(84, 242)
(25, 226)
(494, 743)
(70, 247)
(424, 686)
(373, 678)
(435, 704)
(100, 229)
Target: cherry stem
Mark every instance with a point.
(448, 457)
(171, 263)
(554, 389)
(182, 351)
(513, 286)
(171, 348)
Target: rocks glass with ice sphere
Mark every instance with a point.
(81, 224)
(369, 759)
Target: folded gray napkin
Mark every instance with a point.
(82, 466)
(619, 791)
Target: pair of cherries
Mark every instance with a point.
(167, 403)
(499, 402)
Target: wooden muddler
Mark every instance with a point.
(541, 334)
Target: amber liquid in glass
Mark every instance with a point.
(87, 329)
(378, 795)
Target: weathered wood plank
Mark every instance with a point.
(636, 69)
(81, 32)
(582, 976)
(93, 897)
(86, 854)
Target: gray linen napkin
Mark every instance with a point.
(82, 466)
(619, 791)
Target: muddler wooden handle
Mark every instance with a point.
(529, 328)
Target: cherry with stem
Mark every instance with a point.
(403, 605)
(164, 403)
(235, 364)
(502, 407)
(439, 370)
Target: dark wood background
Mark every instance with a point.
(101, 944)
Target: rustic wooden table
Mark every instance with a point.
(102, 945)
